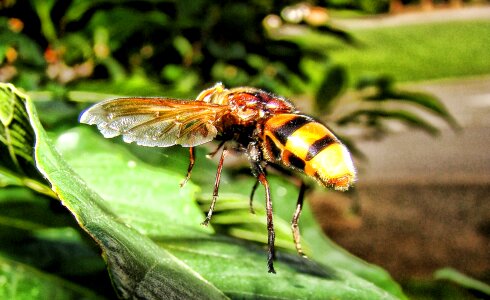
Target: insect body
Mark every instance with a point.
(267, 128)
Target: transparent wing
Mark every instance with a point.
(159, 122)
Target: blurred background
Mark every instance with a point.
(406, 85)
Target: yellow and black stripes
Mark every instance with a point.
(300, 142)
(282, 131)
(319, 145)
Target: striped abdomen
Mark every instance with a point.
(300, 142)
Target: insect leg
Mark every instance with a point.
(212, 154)
(191, 165)
(271, 235)
(254, 188)
(294, 222)
(255, 157)
(259, 173)
(216, 187)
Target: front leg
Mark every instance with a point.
(192, 160)
(255, 158)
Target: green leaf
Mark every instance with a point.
(148, 189)
(340, 34)
(370, 115)
(37, 231)
(14, 134)
(22, 210)
(233, 217)
(19, 281)
(138, 267)
(426, 101)
(17, 165)
(7, 179)
(386, 91)
(334, 82)
(463, 280)
(78, 8)
(381, 82)
(233, 266)
(43, 9)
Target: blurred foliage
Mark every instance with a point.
(177, 44)
(382, 101)
(463, 280)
